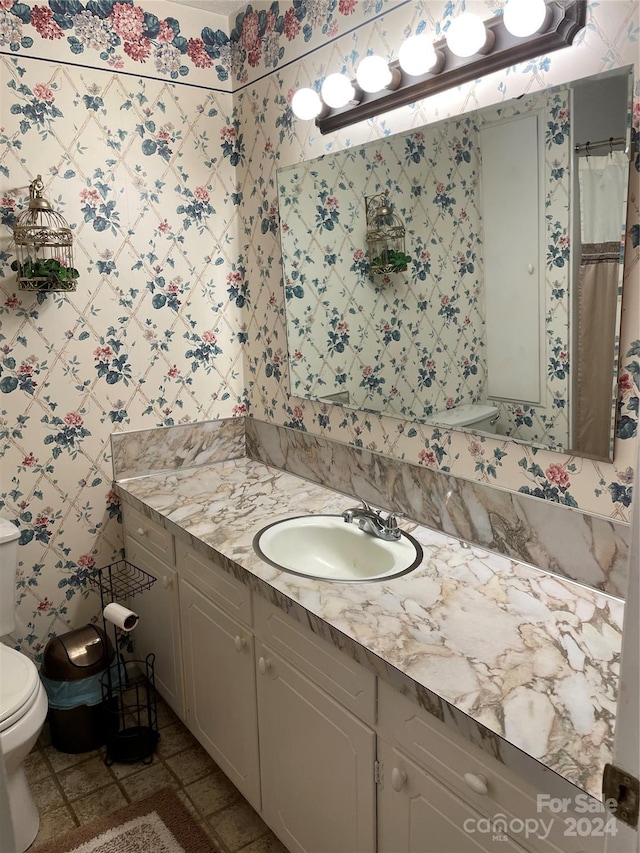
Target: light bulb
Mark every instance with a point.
(306, 104)
(337, 91)
(374, 74)
(417, 56)
(526, 17)
(467, 35)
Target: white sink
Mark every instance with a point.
(327, 548)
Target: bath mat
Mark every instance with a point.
(159, 823)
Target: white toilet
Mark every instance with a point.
(472, 416)
(23, 700)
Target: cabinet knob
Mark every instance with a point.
(166, 582)
(240, 643)
(264, 665)
(141, 531)
(398, 779)
(477, 782)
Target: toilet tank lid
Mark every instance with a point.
(8, 531)
(467, 414)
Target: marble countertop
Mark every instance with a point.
(523, 654)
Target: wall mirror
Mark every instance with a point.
(497, 309)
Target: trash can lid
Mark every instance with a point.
(77, 654)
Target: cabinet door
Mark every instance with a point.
(418, 814)
(220, 689)
(514, 268)
(317, 764)
(158, 630)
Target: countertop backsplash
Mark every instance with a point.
(147, 451)
(586, 548)
(582, 547)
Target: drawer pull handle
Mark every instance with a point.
(477, 782)
(240, 643)
(398, 779)
(142, 531)
(264, 665)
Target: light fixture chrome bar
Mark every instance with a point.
(567, 20)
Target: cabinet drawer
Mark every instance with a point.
(449, 757)
(344, 679)
(212, 580)
(154, 538)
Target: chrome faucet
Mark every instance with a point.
(370, 520)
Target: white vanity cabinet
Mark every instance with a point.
(418, 814)
(151, 548)
(332, 757)
(317, 757)
(220, 683)
(439, 793)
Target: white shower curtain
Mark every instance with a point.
(603, 184)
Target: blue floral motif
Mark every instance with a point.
(110, 363)
(558, 125)
(448, 308)
(327, 212)
(203, 351)
(443, 198)
(232, 142)
(198, 208)
(69, 433)
(552, 484)
(98, 209)
(38, 107)
(414, 147)
(558, 248)
(338, 335)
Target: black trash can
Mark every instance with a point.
(72, 667)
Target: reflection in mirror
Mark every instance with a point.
(506, 319)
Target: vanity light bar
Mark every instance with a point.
(565, 20)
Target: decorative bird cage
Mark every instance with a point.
(385, 236)
(44, 246)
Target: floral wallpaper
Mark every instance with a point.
(158, 131)
(144, 172)
(412, 344)
(609, 40)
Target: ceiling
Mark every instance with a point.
(220, 7)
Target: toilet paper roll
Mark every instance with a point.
(120, 616)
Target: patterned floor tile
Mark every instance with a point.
(191, 765)
(213, 793)
(101, 803)
(146, 781)
(54, 823)
(239, 825)
(71, 790)
(85, 778)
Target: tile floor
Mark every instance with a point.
(71, 790)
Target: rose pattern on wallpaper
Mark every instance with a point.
(180, 318)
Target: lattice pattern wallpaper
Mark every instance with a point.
(169, 182)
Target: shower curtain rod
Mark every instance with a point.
(611, 143)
